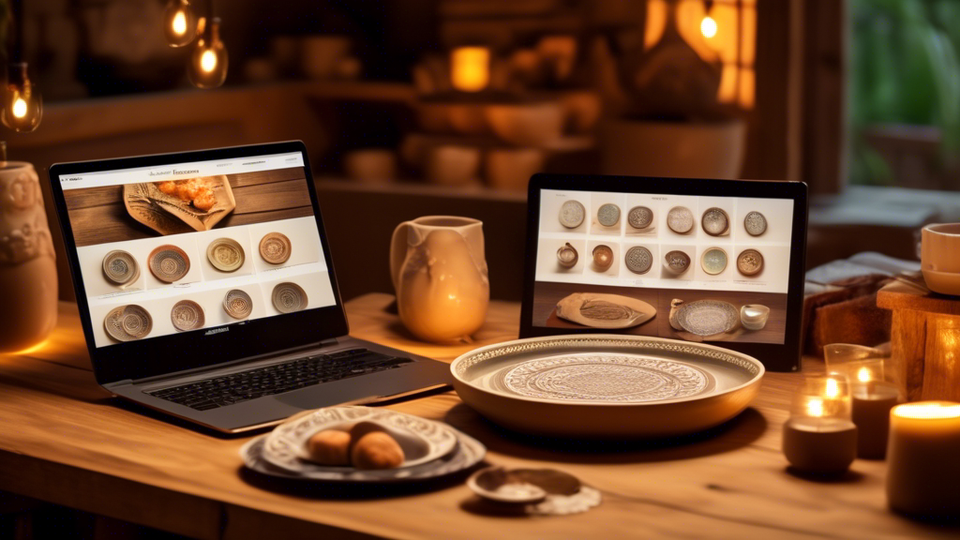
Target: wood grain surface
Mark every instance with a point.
(548, 294)
(98, 215)
(64, 440)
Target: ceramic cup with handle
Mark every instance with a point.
(440, 276)
(28, 270)
(940, 257)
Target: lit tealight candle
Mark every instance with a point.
(819, 436)
(470, 68)
(923, 457)
(872, 401)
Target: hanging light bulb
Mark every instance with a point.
(22, 105)
(208, 62)
(708, 27)
(179, 23)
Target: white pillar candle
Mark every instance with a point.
(923, 459)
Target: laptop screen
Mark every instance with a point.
(195, 246)
(695, 260)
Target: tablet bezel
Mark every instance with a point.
(775, 357)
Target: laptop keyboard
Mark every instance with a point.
(278, 378)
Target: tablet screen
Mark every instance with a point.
(699, 268)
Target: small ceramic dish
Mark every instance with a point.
(168, 263)
(676, 262)
(422, 440)
(680, 220)
(754, 316)
(708, 317)
(289, 297)
(715, 222)
(187, 315)
(567, 256)
(754, 223)
(572, 214)
(607, 311)
(750, 262)
(275, 248)
(238, 304)
(638, 260)
(225, 254)
(602, 257)
(713, 261)
(120, 268)
(128, 323)
(522, 486)
(640, 217)
(608, 215)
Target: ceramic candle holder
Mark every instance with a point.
(754, 316)
(819, 437)
(923, 469)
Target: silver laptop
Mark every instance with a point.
(207, 290)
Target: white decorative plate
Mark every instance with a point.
(708, 317)
(466, 455)
(285, 446)
(606, 385)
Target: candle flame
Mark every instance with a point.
(470, 68)
(815, 407)
(833, 389)
(864, 375)
(180, 23)
(928, 410)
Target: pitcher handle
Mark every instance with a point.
(398, 253)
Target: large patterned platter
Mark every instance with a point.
(606, 386)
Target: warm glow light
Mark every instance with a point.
(33, 349)
(928, 410)
(470, 68)
(180, 23)
(864, 375)
(815, 407)
(19, 108)
(708, 27)
(832, 389)
(208, 61)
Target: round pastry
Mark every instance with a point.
(120, 268)
(571, 214)
(567, 256)
(676, 262)
(608, 215)
(169, 263)
(238, 304)
(275, 248)
(602, 257)
(376, 450)
(714, 261)
(187, 315)
(640, 217)
(680, 220)
(225, 254)
(638, 259)
(750, 262)
(330, 447)
(715, 222)
(755, 223)
(289, 297)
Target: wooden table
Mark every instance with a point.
(66, 441)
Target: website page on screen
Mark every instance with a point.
(674, 266)
(195, 246)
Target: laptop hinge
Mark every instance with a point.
(118, 383)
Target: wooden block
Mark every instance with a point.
(908, 340)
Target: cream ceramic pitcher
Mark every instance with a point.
(440, 275)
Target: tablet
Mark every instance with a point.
(717, 261)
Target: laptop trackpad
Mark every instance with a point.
(366, 388)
